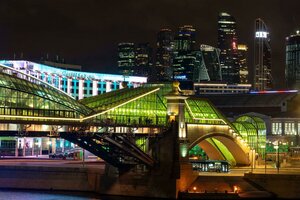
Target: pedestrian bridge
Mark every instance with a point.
(29, 106)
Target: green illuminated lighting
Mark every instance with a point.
(117, 106)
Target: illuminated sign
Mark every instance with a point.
(180, 77)
(261, 34)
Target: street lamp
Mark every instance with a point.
(276, 146)
(265, 159)
(252, 159)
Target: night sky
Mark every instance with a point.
(87, 32)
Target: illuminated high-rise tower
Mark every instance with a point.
(227, 43)
(186, 62)
(210, 69)
(164, 54)
(262, 57)
(292, 61)
(126, 58)
(143, 59)
(244, 73)
(185, 39)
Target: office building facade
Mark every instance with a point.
(164, 55)
(187, 58)
(244, 72)
(262, 57)
(126, 58)
(185, 39)
(227, 43)
(76, 84)
(292, 61)
(211, 63)
(143, 60)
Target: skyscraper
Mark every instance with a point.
(227, 43)
(244, 73)
(185, 39)
(292, 61)
(143, 59)
(164, 54)
(126, 58)
(210, 63)
(262, 57)
(187, 60)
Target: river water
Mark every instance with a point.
(8, 194)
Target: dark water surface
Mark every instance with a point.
(11, 194)
(8, 194)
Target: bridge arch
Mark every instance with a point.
(219, 142)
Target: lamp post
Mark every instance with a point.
(265, 159)
(252, 159)
(276, 146)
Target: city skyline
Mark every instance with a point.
(88, 34)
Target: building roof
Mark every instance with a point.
(250, 100)
(271, 104)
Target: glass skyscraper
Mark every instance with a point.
(185, 39)
(292, 61)
(227, 43)
(262, 57)
(187, 60)
(244, 73)
(126, 58)
(211, 63)
(143, 59)
(164, 55)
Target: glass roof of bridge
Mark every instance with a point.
(129, 106)
(115, 98)
(203, 111)
(41, 90)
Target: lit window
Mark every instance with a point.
(289, 128)
(276, 128)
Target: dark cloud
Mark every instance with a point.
(86, 32)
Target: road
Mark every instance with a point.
(92, 163)
(240, 171)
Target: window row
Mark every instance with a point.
(286, 128)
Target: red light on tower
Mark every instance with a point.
(234, 45)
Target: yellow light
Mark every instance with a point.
(194, 188)
(235, 189)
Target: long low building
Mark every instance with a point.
(77, 84)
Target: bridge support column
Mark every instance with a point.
(176, 109)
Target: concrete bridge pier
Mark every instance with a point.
(176, 112)
(157, 182)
